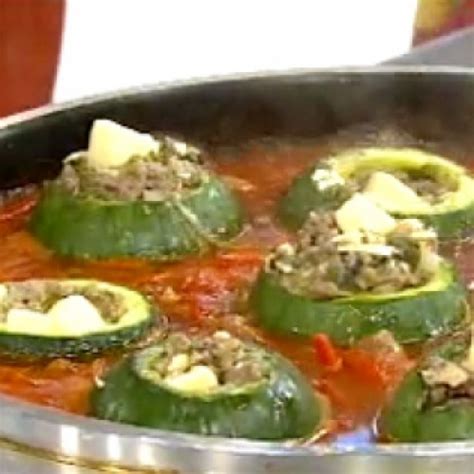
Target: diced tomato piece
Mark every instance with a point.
(327, 355)
(18, 207)
(364, 364)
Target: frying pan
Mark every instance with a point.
(434, 105)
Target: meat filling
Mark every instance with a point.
(41, 296)
(231, 361)
(325, 263)
(174, 168)
(446, 382)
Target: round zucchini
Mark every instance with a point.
(328, 184)
(59, 318)
(86, 227)
(279, 404)
(411, 415)
(414, 314)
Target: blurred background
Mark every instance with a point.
(55, 50)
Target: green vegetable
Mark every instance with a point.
(453, 215)
(280, 406)
(85, 227)
(415, 314)
(406, 418)
(68, 333)
(303, 196)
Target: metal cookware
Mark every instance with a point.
(432, 104)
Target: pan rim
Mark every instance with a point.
(22, 421)
(343, 72)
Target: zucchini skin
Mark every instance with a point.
(285, 407)
(16, 345)
(303, 197)
(451, 224)
(82, 227)
(346, 320)
(22, 346)
(403, 420)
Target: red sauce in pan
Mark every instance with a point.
(208, 293)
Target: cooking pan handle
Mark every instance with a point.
(456, 49)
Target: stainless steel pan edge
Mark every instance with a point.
(78, 437)
(84, 439)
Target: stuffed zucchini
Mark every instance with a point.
(213, 385)
(69, 318)
(355, 272)
(132, 195)
(435, 402)
(407, 183)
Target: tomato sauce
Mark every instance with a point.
(206, 293)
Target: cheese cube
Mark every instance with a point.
(179, 363)
(27, 321)
(361, 214)
(112, 145)
(370, 249)
(200, 379)
(75, 315)
(393, 195)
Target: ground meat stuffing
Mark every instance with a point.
(234, 362)
(446, 382)
(174, 168)
(318, 265)
(41, 295)
(429, 187)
